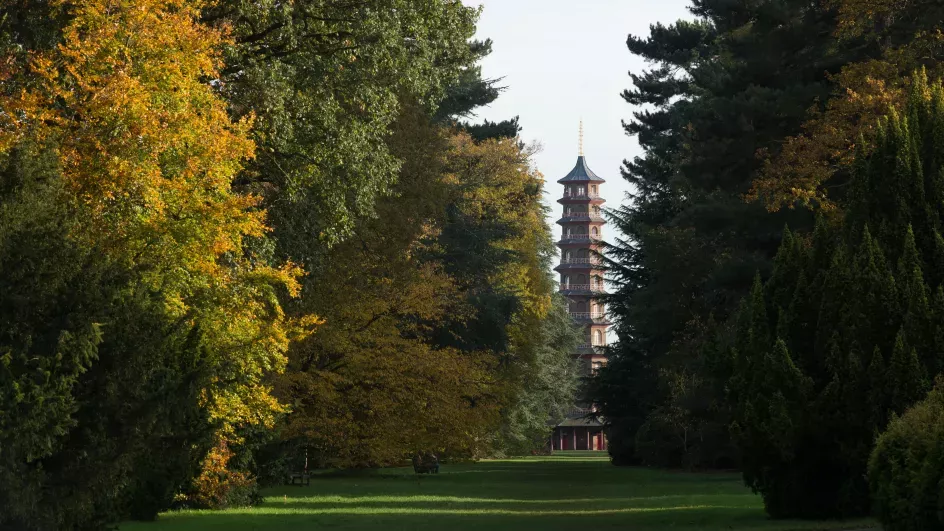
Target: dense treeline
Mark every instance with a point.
(732, 83)
(233, 235)
(759, 116)
(848, 328)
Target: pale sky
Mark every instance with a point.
(566, 59)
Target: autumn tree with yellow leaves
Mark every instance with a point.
(151, 271)
(814, 167)
(433, 342)
(190, 188)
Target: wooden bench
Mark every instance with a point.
(302, 477)
(425, 464)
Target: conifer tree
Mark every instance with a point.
(872, 298)
(878, 393)
(905, 381)
(722, 89)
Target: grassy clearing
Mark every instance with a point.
(563, 492)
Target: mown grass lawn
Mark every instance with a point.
(563, 492)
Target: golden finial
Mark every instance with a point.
(581, 137)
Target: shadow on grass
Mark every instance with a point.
(547, 494)
(367, 518)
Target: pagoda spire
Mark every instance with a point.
(580, 143)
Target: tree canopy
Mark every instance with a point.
(230, 230)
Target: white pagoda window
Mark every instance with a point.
(594, 232)
(598, 338)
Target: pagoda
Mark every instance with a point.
(581, 282)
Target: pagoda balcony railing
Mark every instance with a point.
(583, 215)
(569, 261)
(582, 287)
(581, 238)
(587, 315)
(578, 195)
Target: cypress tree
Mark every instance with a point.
(935, 255)
(906, 382)
(759, 336)
(787, 268)
(878, 393)
(869, 280)
(822, 249)
(834, 301)
(910, 272)
(916, 323)
(936, 346)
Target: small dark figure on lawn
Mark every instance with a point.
(425, 464)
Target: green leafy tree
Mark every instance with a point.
(325, 81)
(546, 383)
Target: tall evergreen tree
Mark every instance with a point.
(863, 305)
(723, 88)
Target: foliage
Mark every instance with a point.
(736, 81)
(907, 466)
(324, 81)
(164, 164)
(899, 37)
(844, 321)
(416, 333)
(156, 197)
(219, 487)
(101, 414)
(546, 385)
(685, 429)
(147, 322)
(496, 243)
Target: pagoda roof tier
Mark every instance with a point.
(579, 423)
(583, 242)
(587, 349)
(580, 268)
(567, 220)
(581, 200)
(591, 357)
(581, 173)
(579, 416)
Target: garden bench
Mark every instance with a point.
(425, 464)
(302, 477)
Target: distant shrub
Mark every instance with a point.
(906, 468)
